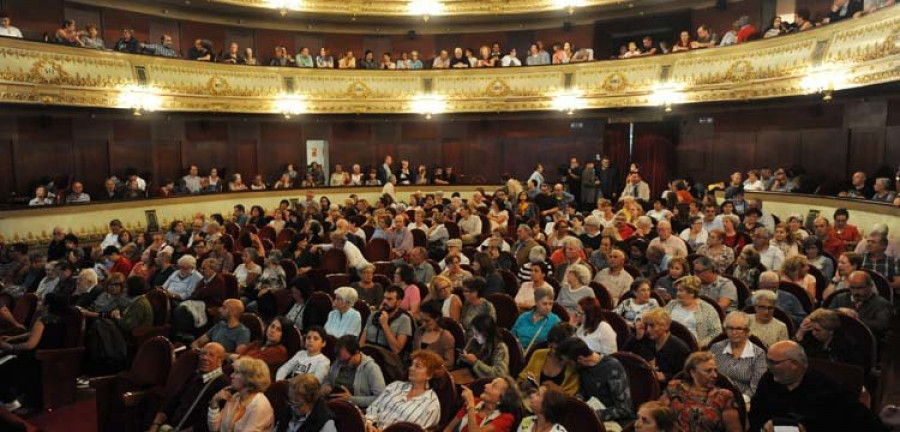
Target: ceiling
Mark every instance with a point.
(395, 16)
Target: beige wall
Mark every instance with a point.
(862, 214)
(90, 221)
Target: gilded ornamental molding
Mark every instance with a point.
(862, 52)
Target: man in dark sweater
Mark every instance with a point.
(790, 393)
(187, 406)
(602, 379)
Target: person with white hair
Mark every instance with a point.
(181, 284)
(763, 323)
(673, 245)
(770, 257)
(737, 357)
(344, 319)
(883, 193)
(575, 287)
(880, 229)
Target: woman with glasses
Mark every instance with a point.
(441, 291)
(692, 312)
(308, 410)
(737, 358)
(763, 323)
(698, 403)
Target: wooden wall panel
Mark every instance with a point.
(776, 148)
(267, 40)
(191, 31)
(730, 153)
(818, 9)
(125, 155)
(160, 27)
(167, 159)
(116, 20)
(866, 149)
(8, 167)
(823, 152)
(42, 159)
(91, 163)
(720, 20)
(892, 146)
(35, 17)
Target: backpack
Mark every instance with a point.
(106, 350)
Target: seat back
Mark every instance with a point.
(385, 268)
(623, 331)
(798, 292)
(602, 295)
(516, 354)
(277, 394)
(347, 417)
(534, 347)
(633, 271)
(232, 289)
(681, 332)
(850, 377)
(419, 238)
(390, 363)
(453, 230)
(334, 261)
(283, 301)
(25, 308)
(322, 302)
(337, 280)
(364, 311)
(75, 323)
(255, 324)
(369, 230)
(510, 282)
(821, 282)
(580, 417)
(152, 362)
(404, 427)
(743, 292)
(561, 312)
(377, 249)
(856, 330)
(292, 340)
(159, 302)
(507, 310)
(290, 270)
(443, 386)
(882, 284)
(182, 370)
(284, 238)
(267, 233)
(641, 378)
(455, 328)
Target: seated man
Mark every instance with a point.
(209, 293)
(388, 326)
(863, 302)
(353, 377)
(186, 408)
(603, 379)
(469, 225)
(716, 287)
(791, 391)
(230, 333)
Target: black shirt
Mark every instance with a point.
(669, 360)
(545, 202)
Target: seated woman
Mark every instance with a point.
(22, 374)
(344, 319)
(409, 401)
(575, 287)
(485, 355)
(548, 406)
(763, 323)
(405, 278)
(366, 289)
(532, 327)
(654, 343)
(678, 267)
(429, 335)
(821, 337)
(494, 411)
(245, 408)
(698, 403)
(545, 366)
(138, 312)
(746, 268)
(272, 350)
(104, 298)
(655, 417)
(248, 271)
(354, 377)
(717, 250)
(441, 291)
(812, 248)
(592, 329)
(690, 311)
(474, 302)
(633, 307)
(484, 267)
(796, 269)
(308, 409)
(455, 272)
(738, 358)
(311, 360)
(525, 295)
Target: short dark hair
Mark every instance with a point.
(136, 286)
(477, 284)
(109, 250)
(304, 286)
(841, 212)
(432, 308)
(560, 332)
(349, 343)
(407, 273)
(753, 211)
(554, 403)
(395, 289)
(241, 208)
(572, 348)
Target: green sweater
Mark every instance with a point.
(138, 314)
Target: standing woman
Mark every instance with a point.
(246, 407)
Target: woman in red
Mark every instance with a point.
(733, 238)
(271, 350)
(698, 403)
(494, 411)
(844, 231)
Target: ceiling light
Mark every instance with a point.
(426, 8)
(141, 99)
(824, 79)
(290, 105)
(568, 5)
(667, 94)
(568, 101)
(429, 105)
(284, 6)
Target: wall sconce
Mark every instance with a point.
(568, 5)
(569, 101)
(666, 95)
(141, 99)
(284, 6)
(290, 105)
(429, 105)
(426, 8)
(824, 79)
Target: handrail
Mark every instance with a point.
(852, 53)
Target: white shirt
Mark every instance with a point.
(110, 240)
(771, 258)
(355, 258)
(11, 32)
(602, 340)
(509, 60)
(301, 363)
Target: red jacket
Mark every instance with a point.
(833, 245)
(122, 265)
(746, 33)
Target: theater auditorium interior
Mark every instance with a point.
(449, 215)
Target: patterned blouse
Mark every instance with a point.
(723, 257)
(698, 413)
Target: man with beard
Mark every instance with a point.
(388, 327)
(229, 332)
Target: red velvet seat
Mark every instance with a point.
(619, 325)
(510, 282)
(679, 330)
(419, 238)
(798, 292)
(333, 261)
(404, 427)
(338, 280)
(290, 270)
(60, 367)
(267, 233)
(506, 308)
(322, 302)
(292, 340)
(255, 324)
(25, 308)
(561, 312)
(602, 295)
(641, 378)
(516, 353)
(377, 250)
(455, 328)
(580, 417)
(285, 238)
(364, 310)
(347, 417)
(391, 365)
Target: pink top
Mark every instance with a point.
(411, 297)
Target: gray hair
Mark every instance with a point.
(644, 221)
(90, 275)
(347, 294)
(762, 232)
(769, 276)
(188, 261)
(537, 254)
(886, 182)
(252, 252)
(593, 221)
(582, 273)
(738, 315)
(763, 294)
(572, 241)
(542, 292)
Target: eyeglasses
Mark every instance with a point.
(765, 307)
(699, 270)
(729, 328)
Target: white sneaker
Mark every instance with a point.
(82, 383)
(12, 406)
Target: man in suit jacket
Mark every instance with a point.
(524, 244)
(385, 171)
(609, 179)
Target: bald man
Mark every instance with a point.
(186, 408)
(862, 301)
(674, 246)
(229, 332)
(790, 390)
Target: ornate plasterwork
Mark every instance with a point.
(867, 51)
(401, 7)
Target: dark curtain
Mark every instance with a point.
(654, 145)
(615, 146)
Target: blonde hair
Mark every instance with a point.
(658, 316)
(432, 287)
(691, 284)
(793, 264)
(255, 373)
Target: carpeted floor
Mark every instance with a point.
(80, 416)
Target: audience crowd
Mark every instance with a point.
(579, 294)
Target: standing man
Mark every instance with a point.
(609, 179)
(573, 179)
(590, 184)
(385, 171)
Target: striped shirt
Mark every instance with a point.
(393, 406)
(744, 371)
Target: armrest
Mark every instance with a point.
(102, 381)
(59, 369)
(134, 398)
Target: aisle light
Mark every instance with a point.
(141, 99)
(429, 105)
(426, 8)
(290, 105)
(568, 101)
(667, 94)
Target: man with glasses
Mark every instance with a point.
(785, 301)
(716, 287)
(710, 221)
(863, 302)
(792, 395)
